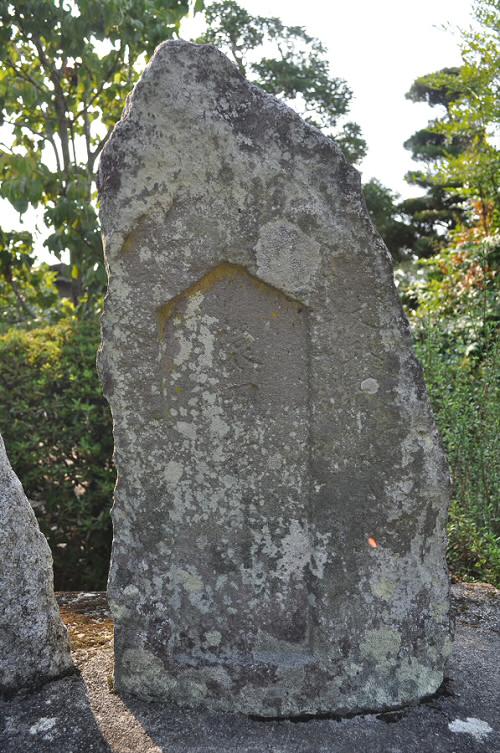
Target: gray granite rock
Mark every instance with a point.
(34, 644)
(279, 516)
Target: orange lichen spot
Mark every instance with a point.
(275, 314)
(372, 542)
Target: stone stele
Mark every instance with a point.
(34, 645)
(279, 516)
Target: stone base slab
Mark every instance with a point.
(83, 714)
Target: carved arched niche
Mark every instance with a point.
(234, 365)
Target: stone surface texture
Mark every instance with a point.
(279, 516)
(33, 640)
(83, 714)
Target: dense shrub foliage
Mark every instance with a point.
(466, 404)
(57, 429)
(454, 314)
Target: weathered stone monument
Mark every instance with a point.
(279, 518)
(33, 641)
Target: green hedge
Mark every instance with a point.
(57, 429)
(465, 397)
(452, 301)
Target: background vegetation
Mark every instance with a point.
(57, 427)
(64, 76)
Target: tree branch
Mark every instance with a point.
(86, 131)
(51, 141)
(60, 100)
(22, 74)
(100, 146)
(106, 78)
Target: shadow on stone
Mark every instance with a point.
(58, 717)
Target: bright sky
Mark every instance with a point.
(379, 47)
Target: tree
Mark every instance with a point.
(26, 294)
(458, 148)
(473, 118)
(292, 65)
(385, 212)
(438, 211)
(452, 297)
(65, 70)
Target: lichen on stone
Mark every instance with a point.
(281, 501)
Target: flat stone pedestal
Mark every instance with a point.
(83, 714)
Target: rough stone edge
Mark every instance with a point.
(36, 683)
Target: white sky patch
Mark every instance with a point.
(471, 726)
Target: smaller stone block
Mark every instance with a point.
(34, 645)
